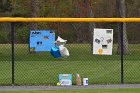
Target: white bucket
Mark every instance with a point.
(85, 81)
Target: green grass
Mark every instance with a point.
(43, 69)
(79, 91)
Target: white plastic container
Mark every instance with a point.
(85, 81)
(64, 51)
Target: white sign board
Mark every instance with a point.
(103, 41)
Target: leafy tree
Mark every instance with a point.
(5, 6)
(83, 8)
(122, 13)
(34, 13)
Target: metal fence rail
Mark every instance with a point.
(20, 19)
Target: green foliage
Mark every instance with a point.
(22, 35)
(4, 38)
(5, 6)
(64, 8)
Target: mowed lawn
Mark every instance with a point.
(78, 91)
(43, 69)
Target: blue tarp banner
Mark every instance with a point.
(41, 40)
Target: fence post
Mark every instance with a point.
(122, 52)
(12, 42)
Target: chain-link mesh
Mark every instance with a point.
(43, 68)
(131, 59)
(5, 54)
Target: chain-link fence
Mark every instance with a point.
(20, 67)
(5, 54)
(131, 59)
(43, 68)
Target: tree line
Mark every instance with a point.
(74, 32)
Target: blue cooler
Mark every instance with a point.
(55, 52)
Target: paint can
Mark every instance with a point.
(85, 81)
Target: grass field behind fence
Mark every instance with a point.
(42, 68)
(78, 91)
